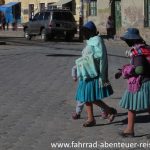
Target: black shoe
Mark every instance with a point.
(126, 135)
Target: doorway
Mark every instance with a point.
(116, 14)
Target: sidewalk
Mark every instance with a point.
(11, 33)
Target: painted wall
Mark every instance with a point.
(103, 11)
(77, 14)
(132, 13)
(25, 7)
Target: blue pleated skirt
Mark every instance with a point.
(137, 101)
(90, 91)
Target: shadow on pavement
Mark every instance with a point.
(67, 55)
(122, 114)
(62, 55)
(137, 136)
(139, 119)
(117, 56)
(142, 119)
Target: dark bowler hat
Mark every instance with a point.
(131, 34)
(90, 26)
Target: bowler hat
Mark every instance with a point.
(90, 26)
(131, 34)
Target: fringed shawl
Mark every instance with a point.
(96, 46)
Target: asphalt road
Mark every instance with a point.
(37, 97)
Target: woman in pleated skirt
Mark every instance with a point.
(93, 84)
(137, 73)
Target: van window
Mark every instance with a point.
(67, 16)
(40, 17)
(46, 16)
(36, 16)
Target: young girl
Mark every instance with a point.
(137, 73)
(92, 71)
(80, 105)
(79, 108)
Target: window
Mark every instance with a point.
(25, 11)
(31, 10)
(42, 6)
(147, 13)
(40, 17)
(50, 6)
(46, 16)
(67, 16)
(36, 17)
(93, 8)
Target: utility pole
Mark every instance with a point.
(81, 21)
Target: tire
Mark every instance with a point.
(51, 37)
(27, 35)
(44, 36)
(69, 36)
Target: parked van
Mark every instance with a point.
(51, 23)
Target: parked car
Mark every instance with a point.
(51, 23)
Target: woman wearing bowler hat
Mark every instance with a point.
(92, 73)
(137, 73)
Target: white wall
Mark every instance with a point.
(132, 13)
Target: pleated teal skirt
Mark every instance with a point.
(137, 101)
(90, 91)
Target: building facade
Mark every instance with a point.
(125, 13)
(30, 7)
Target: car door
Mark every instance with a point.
(39, 23)
(47, 19)
(33, 23)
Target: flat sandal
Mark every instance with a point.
(112, 116)
(89, 123)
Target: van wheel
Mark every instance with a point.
(44, 36)
(51, 36)
(27, 35)
(69, 36)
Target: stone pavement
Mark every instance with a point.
(37, 98)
